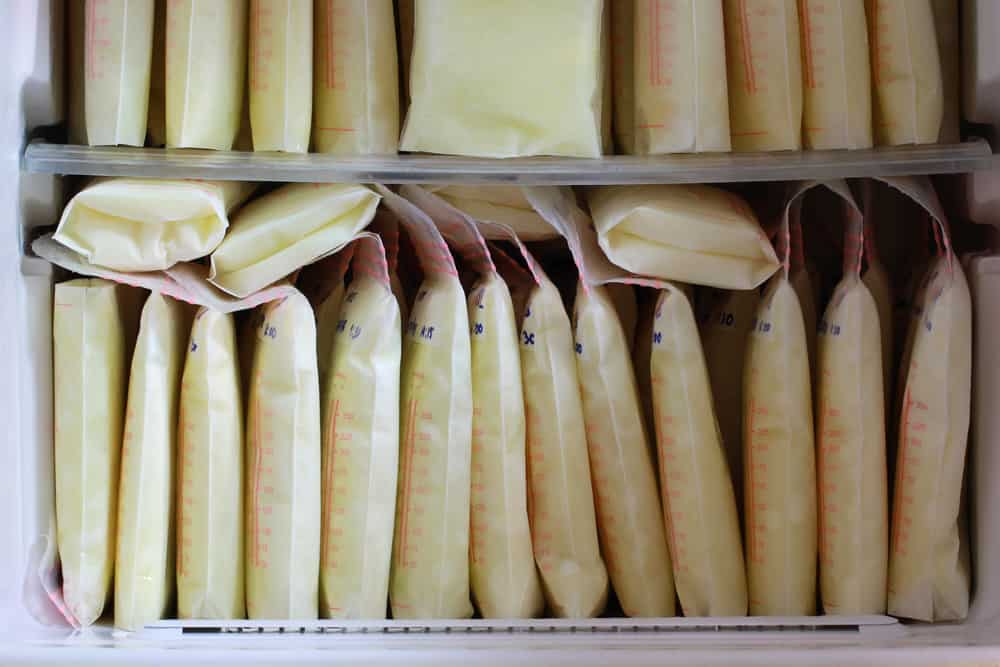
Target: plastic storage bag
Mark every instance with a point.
(906, 72)
(133, 224)
(144, 561)
(360, 418)
(765, 74)
(283, 465)
(323, 284)
(699, 506)
(430, 562)
(507, 79)
(504, 204)
(690, 233)
(205, 68)
(281, 76)
(91, 345)
(837, 94)
(118, 51)
(286, 229)
(356, 82)
(210, 490)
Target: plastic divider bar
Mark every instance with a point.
(64, 159)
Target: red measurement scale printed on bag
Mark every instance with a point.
(262, 482)
(661, 22)
(262, 44)
(913, 426)
(334, 30)
(831, 448)
(336, 478)
(758, 416)
(673, 486)
(98, 41)
(415, 482)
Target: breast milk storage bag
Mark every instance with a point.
(508, 79)
(90, 351)
(355, 77)
(765, 74)
(283, 465)
(205, 67)
(360, 421)
(118, 47)
(144, 562)
(210, 473)
(281, 77)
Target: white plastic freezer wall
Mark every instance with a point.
(30, 71)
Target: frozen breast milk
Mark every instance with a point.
(506, 79)
(327, 321)
(928, 562)
(356, 78)
(906, 72)
(206, 64)
(629, 520)
(724, 332)
(210, 473)
(360, 418)
(283, 465)
(850, 430)
(876, 279)
(765, 74)
(679, 76)
(642, 347)
(89, 356)
(144, 563)
(802, 284)
(699, 506)
(118, 47)
(131, 224)
(563, 522)
(281, 76)
(946, 25)
(778, 459)
(836, 75)
(690, 233)
(286, 229)
(505, 204)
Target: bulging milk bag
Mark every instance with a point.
(281, 78)
(503, 204)
(356, 82)
(210, 475)
(929, 557)
(803, 283)
(690, 233)
(133, 224)
(206, 63)
(286, 229)
(89, 355)
(118, 48)
(283, 465)
(699, 506)
(502, 571)
(850, 434)
(946, 25)
(879, 284)
(360, 422)
(144, 562)
(430, 560)
(679, 76)
(765, 74)
(506, 79)
(323, 285)
(836, 90)
(724, 331)
(906, 72)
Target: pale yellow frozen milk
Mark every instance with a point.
(206, 64)
(699, 506)
(280, 74)
(89, 357)
(765, 74)
(563, 521)
(360, 418)
(504, 204)
(430, 564)
(506, 79)
(724, 332)
(876, 279)
(802, 284)
(118, 46)
(356, 78)
(144, 560)
(210, 473)
(850, 434)
(778, 459)
(681, 102)
(836, 74)
(283, 465)
(327, 316)
(929, 560)
(946, 25)
(906, 72)
(629, 520)
(76, 105)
